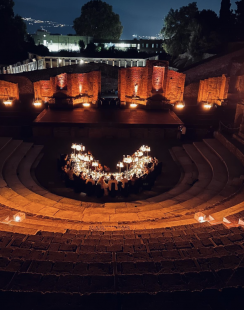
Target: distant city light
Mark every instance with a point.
(45, 23)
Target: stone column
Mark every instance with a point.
(113, 63)
(51, 63)
(76, 61)
(131, 63)
(125, 63)
(70, 62)
(119, 63)
(137, 63)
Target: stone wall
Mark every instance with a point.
(153, 82)
(175, 86)
(238, 115)
(104, 132)
(191, 93)
(213, 90)
(8, 90)
(228, 64)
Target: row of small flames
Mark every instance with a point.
(199, 217)
(179, 105)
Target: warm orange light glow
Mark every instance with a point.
(86, 105)
(180, 106)
(200, 217)
(207, 106)
(7, 102)
(37, 104)
(133, 105)
(18, 217)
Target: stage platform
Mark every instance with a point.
(121, 123)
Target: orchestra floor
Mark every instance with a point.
(109, 152)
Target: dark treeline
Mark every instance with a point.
(185, 31)
(188, 30)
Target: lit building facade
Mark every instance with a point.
(57, 42)
(148, 46)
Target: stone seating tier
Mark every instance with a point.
(197, 259)
(46, 211)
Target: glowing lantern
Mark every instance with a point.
(120, 165)
(200, 217)
(207, 106)
(37, 104)
(133, 105)
(86, 105)
(180, 105)
(19, 217)
(7, 102)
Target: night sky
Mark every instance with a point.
(141, 17)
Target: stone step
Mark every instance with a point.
(4, 141)
(234, 167)
(5, 153)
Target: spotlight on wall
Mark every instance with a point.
(200, 217)
(37, 104)
(19, 217)
(207, 106)
(7, 102)
(133, 105)
(86, 105)
(81, 61)
(180, 105)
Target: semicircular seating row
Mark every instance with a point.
(56, 263)
(210, 183)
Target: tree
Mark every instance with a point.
(98, 20)
(226, 21)
(240, 19)
(12, 34)
(82, 45)
(178, 28)
(189, 31)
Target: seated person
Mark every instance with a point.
(90, 179)
(106, 169)
(100, 168)
(155, 160)
(111, 181)
(82, 177)
(103, 184)
(70, 174)
(124, 180)
(64, 168)
(133, 179)
(64, 159)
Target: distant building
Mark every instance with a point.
(148, 46)
(58, 42)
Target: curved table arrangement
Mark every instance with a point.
(84, 174)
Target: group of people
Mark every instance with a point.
(97, 180)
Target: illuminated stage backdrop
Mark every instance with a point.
(213, 90)
(80, 87)
(155, 82)
(9, 90)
